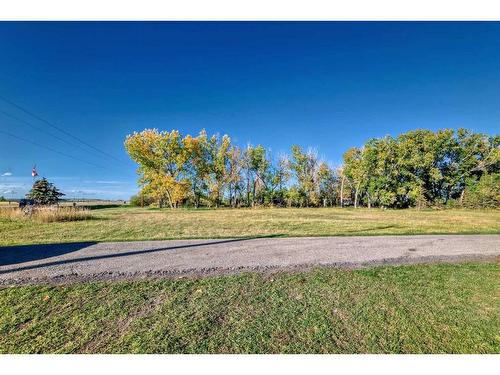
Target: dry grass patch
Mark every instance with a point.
(46, 214)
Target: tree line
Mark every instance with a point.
(416, 169)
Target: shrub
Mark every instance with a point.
(484, 193)
(139, 200)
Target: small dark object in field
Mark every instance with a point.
(26, 202)
(412, 249)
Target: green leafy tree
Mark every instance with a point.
(420, 167)
(197, 167)
(327, 185)
(380, 167)
(218, 166)
(304, 167)
(474, 156)
(295, 197)
(278, 176)
(264, 178)
(484, 193)
(235, 167)
(354, 171)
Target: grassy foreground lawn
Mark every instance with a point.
(127, 223)
(407, 309)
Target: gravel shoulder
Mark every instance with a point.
(76, 262)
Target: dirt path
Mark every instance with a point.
(125, 260)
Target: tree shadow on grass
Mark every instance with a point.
(27, 253)
(372, 229)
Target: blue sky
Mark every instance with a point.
(329, 85)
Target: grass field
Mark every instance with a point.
(128, 223)
(405, 309)
(435, 308)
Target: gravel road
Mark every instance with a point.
(59, 263)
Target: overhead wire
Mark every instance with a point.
(41, 129)
(50, 149)
(52, 125)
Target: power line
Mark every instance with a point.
(50, 149)
(39, 128)
(59, 129)
(51, 134)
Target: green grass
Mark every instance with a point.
(407, 309)
(126, 223)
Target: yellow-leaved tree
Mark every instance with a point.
(162, 160)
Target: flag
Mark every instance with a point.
(34, 173)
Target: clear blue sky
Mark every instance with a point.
(328, 85)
